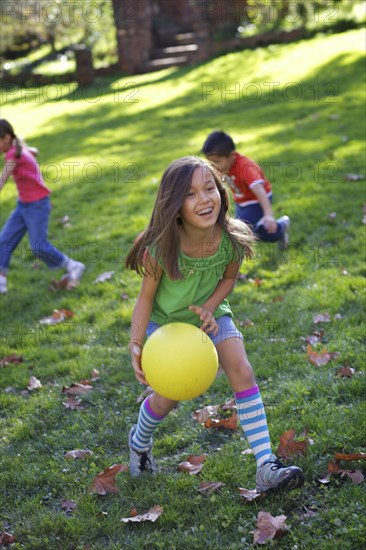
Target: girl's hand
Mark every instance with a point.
(136, 351)
(209, 322)
(269, 223)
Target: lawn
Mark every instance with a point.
(298, 111)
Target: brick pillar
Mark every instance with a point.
(84, 65)
(134, 33)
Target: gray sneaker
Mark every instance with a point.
(140, 462)
(285, 239)
(273, 475)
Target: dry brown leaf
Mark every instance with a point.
(354, 177)
(288, 447)
(57, 285)
(68, 505)
(321, 318)
(208, 487)
(104, 277)
(11, 359)
(95, 375)
(250, 494)
(6, 538)
(315, 338)
(79, 388)
(269, 527)
(105, 481)
(350, 457)
(321, 358)
(152, 515)
(73, 403)
(193, 464)
(78, 453)
(34, 383)
(345, 372)
(215, 416)
(230, 423)
(58, 316)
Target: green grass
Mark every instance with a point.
(119, 149)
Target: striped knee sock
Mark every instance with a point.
(252, 418)
(147, 422)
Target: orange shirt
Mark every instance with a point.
(242, 177)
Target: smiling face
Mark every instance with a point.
(202, 205)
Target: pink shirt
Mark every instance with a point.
(27, 176)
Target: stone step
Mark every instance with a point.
(184, 38)
(173, 51)
(164, 63)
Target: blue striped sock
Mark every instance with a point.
(147, 422)
(252, 418)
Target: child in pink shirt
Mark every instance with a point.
(32, 212)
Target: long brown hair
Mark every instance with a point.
(6, 129)
(162, 233)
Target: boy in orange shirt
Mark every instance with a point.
(251, 190)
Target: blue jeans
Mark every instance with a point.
(251, 215)
(31, 217)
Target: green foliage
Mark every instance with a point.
(299, 114)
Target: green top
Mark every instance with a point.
(200, 278)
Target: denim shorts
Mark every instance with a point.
(227, 329)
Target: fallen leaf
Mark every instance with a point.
(208, 487)
(315, 338)
(246, 323)
(321, 358)
(343, 271)
(68, 505)
(218, 416)
(193, 464)
(95, 375)
(105, 482)
(250, 494)
(345, 372)
(104, 277)
(78, 453)
(321, 318)
(350, 457)
(81, 388)
(355, 475)
(324, 480)
(332, 215)
(11, 359)
(288, 447)
(58, 316)
(124, 296)
(34, 383)
(73, 403)
(354, 177)
(152, 515)
(269, 527)
(64, 221)
(6, 538)
(57, 285)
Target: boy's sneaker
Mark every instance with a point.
(75, 270)
(285, 239)
(140, 462)
(273, 475)
(3, 287)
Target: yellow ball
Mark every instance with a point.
(179, 361)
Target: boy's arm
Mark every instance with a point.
(268, 220)
(141, 317)
(223, 289)
(7, 172)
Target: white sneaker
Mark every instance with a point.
(285, 240)
(75, 270)
(3, 287)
